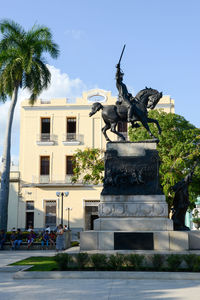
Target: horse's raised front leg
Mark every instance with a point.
(146, 126)
(113, 129)
(149, 120)
(104, 129)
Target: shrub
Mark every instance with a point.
(24, 235)
(74, 244)
(62, 260)
(196, 267)
(135, 261)
(99, 261)
(190, 260)
(157, 261)
(82, 260)
(115, 262)
(174, 261)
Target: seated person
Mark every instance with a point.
(2, 238)
(30, 228)
(18, 239)
(31, 238)
(12, 239)
(52, 238)
(48, 229)
(45, 238)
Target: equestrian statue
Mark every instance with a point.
(128, 108)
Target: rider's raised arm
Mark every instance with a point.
(118, 73)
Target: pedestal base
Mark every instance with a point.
(119, 240)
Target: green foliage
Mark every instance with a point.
(21, 61)
(135, 261)
(174, 261)
(191, 261)
(116, 262)
(157, 261)
(196, 220)
(75, 244)
(24, 235)
(88, 166)
(99, 261)
(196, 266)
(179, 149)
(82, 259)
(62, 260)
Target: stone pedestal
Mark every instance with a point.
(157, 240)
(133, 213)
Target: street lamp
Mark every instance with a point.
(68, 215)
(62, 194)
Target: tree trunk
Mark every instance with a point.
(5, 177)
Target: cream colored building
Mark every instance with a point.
(50, 133)
(14, 197)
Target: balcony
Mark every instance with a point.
(68, 178)
(71, 139)
(44, 179)
(46, 139)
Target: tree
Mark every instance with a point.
(179, 149)
(21, 66)
(88, 166)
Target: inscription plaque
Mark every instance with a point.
(133, 241)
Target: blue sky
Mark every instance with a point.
(162, 47)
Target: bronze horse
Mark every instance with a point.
(112, 114)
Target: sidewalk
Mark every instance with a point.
(97, 289)
(61, 288)
(9, 257)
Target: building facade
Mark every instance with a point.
(50, 132)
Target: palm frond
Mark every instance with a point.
(21, 60)
(9, 26)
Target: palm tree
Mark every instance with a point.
(21, 66)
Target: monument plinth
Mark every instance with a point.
(133, 213)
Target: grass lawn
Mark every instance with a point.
(40, 263)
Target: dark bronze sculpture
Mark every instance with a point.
(128, 108)
(181, 202)
(112, 114)
(131, 175)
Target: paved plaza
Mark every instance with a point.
(65, 288)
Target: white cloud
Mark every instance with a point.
(76, 34)
(62, 86)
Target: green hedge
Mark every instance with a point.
(24, 236)
(129, 262)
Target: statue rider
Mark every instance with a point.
(124, 95)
